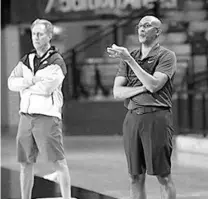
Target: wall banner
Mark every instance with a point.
(27, 10)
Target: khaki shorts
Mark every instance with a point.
(39, 134)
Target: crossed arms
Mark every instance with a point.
(151, 83)
(35, 84)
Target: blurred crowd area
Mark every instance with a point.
(82, 32)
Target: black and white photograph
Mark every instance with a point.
(104, 99)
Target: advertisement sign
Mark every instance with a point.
(27, 10)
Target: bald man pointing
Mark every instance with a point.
(145, 81)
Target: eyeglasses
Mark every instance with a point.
(145, 26)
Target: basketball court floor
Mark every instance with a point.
(98, 163)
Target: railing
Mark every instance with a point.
(96, 78)
(74, 57)
(191, 105)
(135, 14)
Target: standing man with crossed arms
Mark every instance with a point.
(38, 77)
(145, 80)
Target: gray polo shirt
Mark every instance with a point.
(159, 59)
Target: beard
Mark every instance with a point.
(147, 40)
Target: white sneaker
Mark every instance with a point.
(52, 177)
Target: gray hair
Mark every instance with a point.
(48, 25)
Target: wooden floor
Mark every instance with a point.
(99, 164)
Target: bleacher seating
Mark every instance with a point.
(174, 37)
(194, 5)
(198, 26)
(185, 31)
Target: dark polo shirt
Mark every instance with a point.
(159, 59)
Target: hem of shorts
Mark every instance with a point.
(159, 174)
(26, 161)
(137, 173)
(57, 159)
(43, 113)
(54, 160)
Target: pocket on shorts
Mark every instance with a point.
(57, 123)
(56, 127)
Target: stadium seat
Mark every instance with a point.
(106, 70)
(179, 49)
(175, 37)
(195, 15)
(176, 26)
(184, 58)
(199, 47)
(193, 5)
(189, 15)
(200, 62)
(197, 36)
(180, 74)
(175, 14)
(198, 26)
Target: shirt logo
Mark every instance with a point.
(150, 61)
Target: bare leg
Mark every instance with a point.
(63, 178)
(26, 180)
(167, 187)
(137, 187)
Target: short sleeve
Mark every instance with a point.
(167, 64)
(122, 70)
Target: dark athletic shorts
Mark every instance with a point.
(148, 142)
(39, 134)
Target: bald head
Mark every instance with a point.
(154, 21)
(149, 29)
